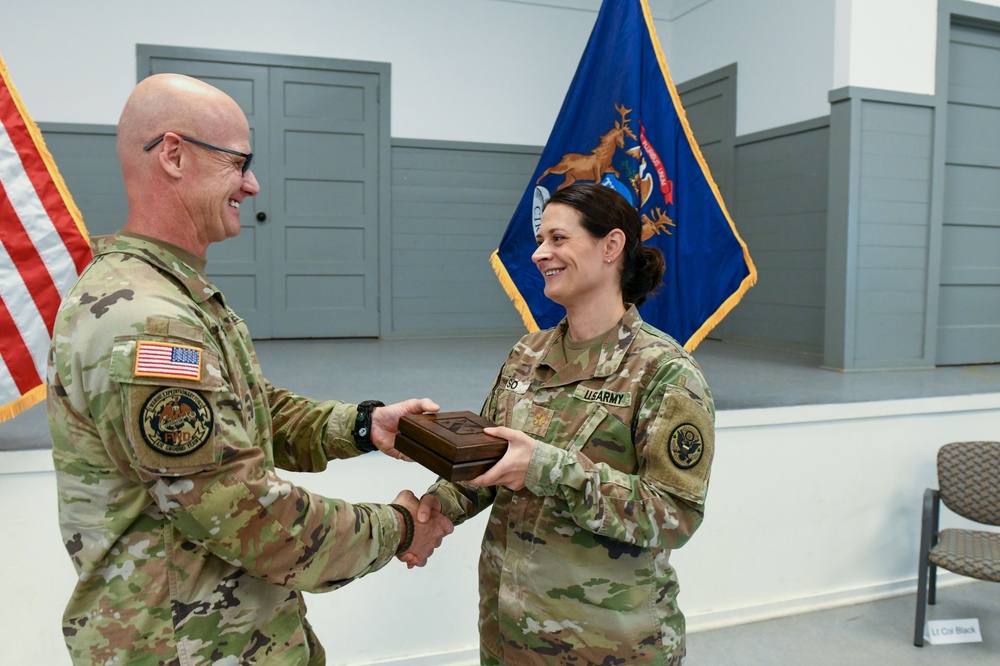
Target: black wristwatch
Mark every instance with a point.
(363, 425)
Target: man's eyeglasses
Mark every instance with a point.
(247, 157)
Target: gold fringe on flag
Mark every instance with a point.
(751, 279)
(511, 289)
(22, 404)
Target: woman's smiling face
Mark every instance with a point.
(569, 258)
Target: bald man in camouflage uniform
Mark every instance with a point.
(190, 549)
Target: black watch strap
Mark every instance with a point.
(363, 425)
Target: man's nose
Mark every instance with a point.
(250, 184)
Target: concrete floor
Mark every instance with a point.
(879, 633)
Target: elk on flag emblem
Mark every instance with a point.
(43, 248)
(622, 125)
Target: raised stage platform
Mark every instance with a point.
(814, 500)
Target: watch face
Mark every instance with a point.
(363, 432)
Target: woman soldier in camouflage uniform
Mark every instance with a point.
(611, 430)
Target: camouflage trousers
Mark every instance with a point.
(487, 658)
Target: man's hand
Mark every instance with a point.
(512, 469)
(427, 533)
(385, 423)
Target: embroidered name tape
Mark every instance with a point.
(168, 361)
(613, 398)
(516, 385)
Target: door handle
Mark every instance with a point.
(261, 216)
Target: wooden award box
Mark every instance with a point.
(451, 444)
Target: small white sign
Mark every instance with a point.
(940, 632)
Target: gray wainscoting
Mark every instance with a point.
(88, 163)
(879, 235)
(779, 208)
(968, 322)
(451, 203)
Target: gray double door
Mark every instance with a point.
(306, 262)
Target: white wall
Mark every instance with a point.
(808, 507)
(477, 70)
(791, 53)
(783, 50)
(883, 44)
(888, 44)
(468, 70)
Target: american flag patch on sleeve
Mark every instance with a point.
(169, 361)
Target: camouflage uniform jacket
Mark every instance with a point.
(165, 436)
(575, 567)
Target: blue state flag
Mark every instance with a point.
(622, 125)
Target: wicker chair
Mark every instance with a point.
(969, 480)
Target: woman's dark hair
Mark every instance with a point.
(603, 209)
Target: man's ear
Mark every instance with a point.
(171, 156)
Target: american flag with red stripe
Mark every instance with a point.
(162, 359)
(43, 249)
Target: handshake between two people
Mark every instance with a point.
(428, 533)
(429, 524)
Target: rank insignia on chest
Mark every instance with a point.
(167, 361)
(538, 421)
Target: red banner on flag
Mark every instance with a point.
(43, 248)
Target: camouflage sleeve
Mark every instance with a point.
(308, 434)
(245, 514)
(663, 503)
(197, 453)
(459, 501)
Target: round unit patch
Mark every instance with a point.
(686, 446)
(176, 421)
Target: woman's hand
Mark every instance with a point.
(512, 469)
